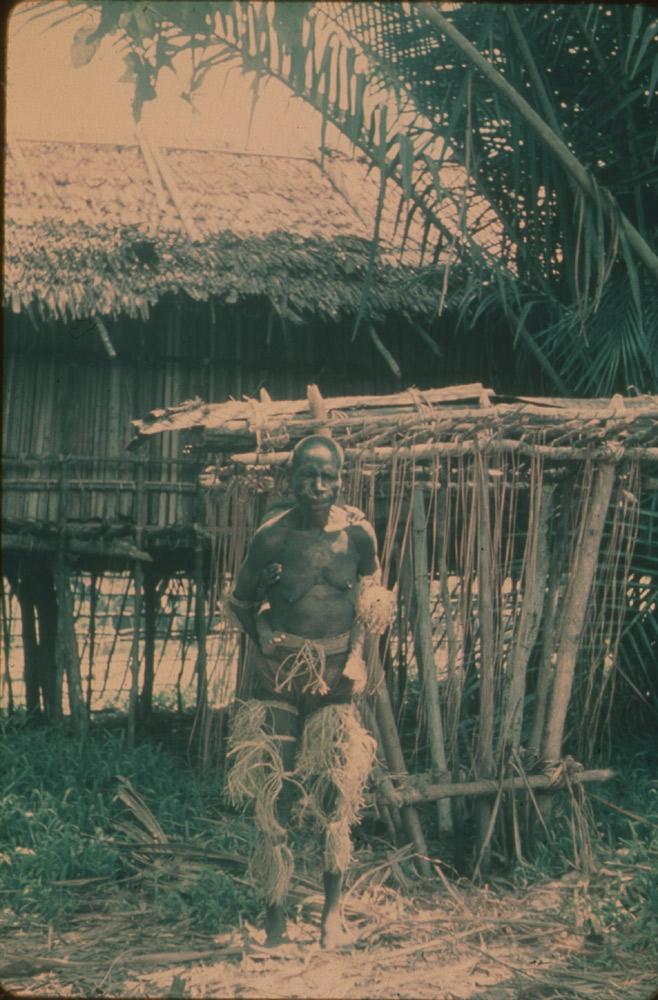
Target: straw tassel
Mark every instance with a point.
(375, 605)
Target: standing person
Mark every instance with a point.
(300, 730)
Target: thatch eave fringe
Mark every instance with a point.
(70, 271)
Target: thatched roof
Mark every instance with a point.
(98, 228)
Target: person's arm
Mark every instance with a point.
(246, 598)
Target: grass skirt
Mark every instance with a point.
(335, 757)
(333, 764)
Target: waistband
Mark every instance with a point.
(329, 643)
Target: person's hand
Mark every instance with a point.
(268, 639)
(355, 670)
(270, 575)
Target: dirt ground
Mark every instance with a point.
(452, 943)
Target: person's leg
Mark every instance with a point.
(285, 728)
(331, 924)
(262, 746)
(335, 759)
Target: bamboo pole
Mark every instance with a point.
(605, 452)
(485, 568)
(425, 652)
(408, 795)
(536, 560)
(577, 599)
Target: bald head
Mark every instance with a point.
(316, 442)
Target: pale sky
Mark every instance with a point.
(48, 98)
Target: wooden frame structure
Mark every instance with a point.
(506, 525)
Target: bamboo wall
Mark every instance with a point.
(64, 397)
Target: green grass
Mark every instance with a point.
(58, 810)
(617, 902)
(63, 849)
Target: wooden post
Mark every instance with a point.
(46, 603)
(382, 779)
(150, 611)
(575, 609)
(66, 644)
(487, 653)
(536, 561)
(138, 578)
(394, 756)
(30, 646)
(92, 640)
(550, 618)
(425, 652)
(200, 625)
(454, 635)
(6, 645)
(317, 408)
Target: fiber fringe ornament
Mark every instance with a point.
(256, 772)
(375, 605)
(308, 663)
(334, 761)
(271, 868)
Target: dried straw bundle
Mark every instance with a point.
(375, 605)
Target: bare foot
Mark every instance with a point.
(275, 927)
(332, 933)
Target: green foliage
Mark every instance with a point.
(59, 843)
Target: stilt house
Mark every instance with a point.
(139, 277)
